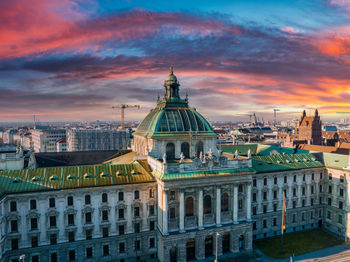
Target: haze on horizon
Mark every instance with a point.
(72, 60)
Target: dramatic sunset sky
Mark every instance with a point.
(73, 60)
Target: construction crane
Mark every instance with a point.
(122, 111)
(275, 110)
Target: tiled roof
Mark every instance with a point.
(241, 149)
(58, 178)
(336, 161)
(273, 163)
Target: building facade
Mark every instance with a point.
(96, 139)
(44, 140)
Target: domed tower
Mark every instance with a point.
(173, 129)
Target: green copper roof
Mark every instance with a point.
(43, 179)
(259, 149)
(167, 121)
(197, 174)
(241, 149)
(336, 161)
(273, 163)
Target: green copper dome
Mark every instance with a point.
(173, 116)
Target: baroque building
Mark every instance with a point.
(171, 198)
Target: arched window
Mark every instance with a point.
(207, 204)
(189, 207)
(224, 202)
(199, 148)
(87, 199)
(185, 149)
(170, 151)
(104, 198)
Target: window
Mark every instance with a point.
(274, 207)
(240, 204)
(340, 219)
(151, 210)
(52, 221)
(275, 180)
(329, 215)
(285, 179)
(303, 216)
(341, 192)
(88, 234)
(105, 215)
(264, 223)
(105, 232)
(303, 202)
(240, 188)
(54, 257)
(105, 250)
(312, 214)
(32, 204)
(89, 252)
(330, 176)
(303, 177)
(33, 223)
(254, 210)
(294, 204)
(341, 179)
(14, 226)
(172, 195)
(312, 176)
(285, 193)
(136, 211)
(121, 213)
(254, 196)
(71, 255)
(321, 175)
(275, 194)
(207, 204)
(294, 218)
(295, 178)
(70, 219)
(151, 225)
(189, 206)
(87, 200)
(152, 242)
(13, 206)
(35, 258)
(265, 208)
(321, 188)
(254, 182)
(329, 201)
(53, 239)
(121, 247)
(137, 194)
(264, 195)
(70, 201)
(137, 245)
(14, 244)
(121, 229)
(303, 190)
(104, 198)
(137, 228)
(254, 225)
(121, 196)
(71, 236)
(172, 212)
(312, 189)
(151, 193)
(52, 202)
(88, 217)
(330, 189)
(34, 241)
(312, 201)
(294, 192)
(265, 181)
(224, 202)
(274, 221)
(340, 205)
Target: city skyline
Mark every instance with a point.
(74, 60)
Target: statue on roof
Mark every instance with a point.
(182, 157)
(249, 153)
(164, 158)
(236, 154)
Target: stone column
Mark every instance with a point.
(165, 212)
(235, 204)
(218, 206)
(182, 212)
(249, 202)
(200, 209)
(308, 194)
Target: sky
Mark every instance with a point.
(65, 60)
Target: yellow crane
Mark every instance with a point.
(122, 108)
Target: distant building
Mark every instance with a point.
(44, 140)
(61, 145)
(11, 159)
(96, 139)
(310, 129)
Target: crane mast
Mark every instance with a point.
(122, 108)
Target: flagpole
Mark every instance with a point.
(283, 222)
